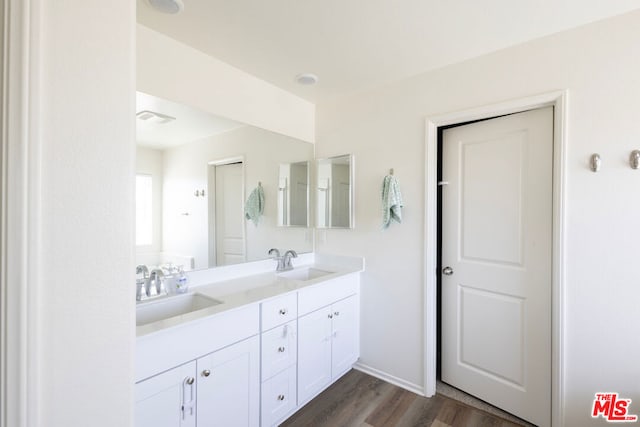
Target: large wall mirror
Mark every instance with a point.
(195, 173)
(334, 192)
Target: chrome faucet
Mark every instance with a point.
(284, 262)
(140, 282)
(286, 259)
(275, 253)
(155, 279)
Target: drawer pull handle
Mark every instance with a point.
(281, 397)
(281, 349)
(283, 311)
(206, 373)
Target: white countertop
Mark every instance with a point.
(254, 287)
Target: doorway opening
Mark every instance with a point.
(451, 386)
(436, 125)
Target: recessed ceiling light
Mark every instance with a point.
(167, 6)
(307, 79)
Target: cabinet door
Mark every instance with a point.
(168, 399)
(229, 386)
(346, 337)
(314, 353)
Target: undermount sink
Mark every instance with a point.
(165, 308)
(305, 273)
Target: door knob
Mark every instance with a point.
(447, 271)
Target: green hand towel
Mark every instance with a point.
(392, 203)
(254, 208)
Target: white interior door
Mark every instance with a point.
(496, 259)
(229, 219)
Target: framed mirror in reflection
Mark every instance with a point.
(195, 174)
(334, 195)
(293, 195)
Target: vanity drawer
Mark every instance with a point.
(279, 349)
(279, 310)
(278, 397)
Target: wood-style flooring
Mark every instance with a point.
(360, 400)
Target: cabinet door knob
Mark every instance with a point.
(283, 311)
(281, 349)
(190, 380)
(206, 373)
(330, 316)
(336, 313)
(281, 397)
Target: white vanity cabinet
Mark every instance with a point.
(221, 388)
(198, 373)
(328, 337)
(251, 365)
(168, 399)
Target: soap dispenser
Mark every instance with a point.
(182, 282)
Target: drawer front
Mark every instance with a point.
(279, 349)
(326, 293)
(278, 397)
(279, 310)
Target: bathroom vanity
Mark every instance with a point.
(247, 346)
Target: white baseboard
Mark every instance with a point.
(414, 388)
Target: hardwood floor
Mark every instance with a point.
(360, 400)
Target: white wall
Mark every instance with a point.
(85, 340)
(599, 65)
(172, 70)
(185, 170)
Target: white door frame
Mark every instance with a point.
(19, 207)
(558, 100)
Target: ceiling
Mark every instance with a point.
(355, 45)
(190, 124)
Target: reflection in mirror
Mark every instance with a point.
(293, 195)
(202, 170)
(334, 201)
